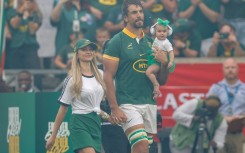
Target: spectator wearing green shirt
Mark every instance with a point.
(102, 8)
(225, 43)
(73, 14)
(186, 39)
(205, 13)
(24, 22)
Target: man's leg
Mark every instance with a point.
(138, 139)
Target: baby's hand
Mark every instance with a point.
(170, 64)
(156, 92)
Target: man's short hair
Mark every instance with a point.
(127, 3)
(227, 24)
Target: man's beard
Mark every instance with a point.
(138, 26)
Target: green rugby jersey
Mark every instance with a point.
(132, 85)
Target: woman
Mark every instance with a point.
(84, 89)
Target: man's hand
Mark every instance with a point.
(213, 144)
(33, 27)
(231, 118)
(216, 38)
(96, 12)
(117, 116)
(160, 55)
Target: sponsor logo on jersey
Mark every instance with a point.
(140, 65)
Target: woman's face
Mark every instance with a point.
(86, 54)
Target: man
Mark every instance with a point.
(25, 84)
(231, 93)
(125, 60)
(225, 43)
(186, 39)
(236, 18)
(198, 121)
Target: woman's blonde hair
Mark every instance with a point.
(76, 73)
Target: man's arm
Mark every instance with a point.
(220, 133)
(184, 114)
(110, 69)
(161, 56)
(209, 13)
(55, 14)
(111, 27)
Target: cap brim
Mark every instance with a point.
(91, 44)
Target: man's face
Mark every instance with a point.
(24, 81)
(227, 31)
(135, 17)
(230, 69)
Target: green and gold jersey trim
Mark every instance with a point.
(130, 34)
(111, 57)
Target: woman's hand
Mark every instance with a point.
(50, 142)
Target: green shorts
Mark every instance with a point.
(85, 131)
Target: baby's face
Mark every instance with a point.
(161, 32)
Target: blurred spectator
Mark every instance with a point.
(147, 4)
(164, 9)
(24, 21)
(7, 45)
(75, 15)
(63, 58)
(206, 14)
(102, 8)
(114, 23)
(3, 86)
(225, 43)
(102, 35)
(234, 13)
(231, 91)
(25, 82)
(186, 39)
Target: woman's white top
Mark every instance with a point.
(91, 95)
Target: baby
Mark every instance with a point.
(160, 30)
